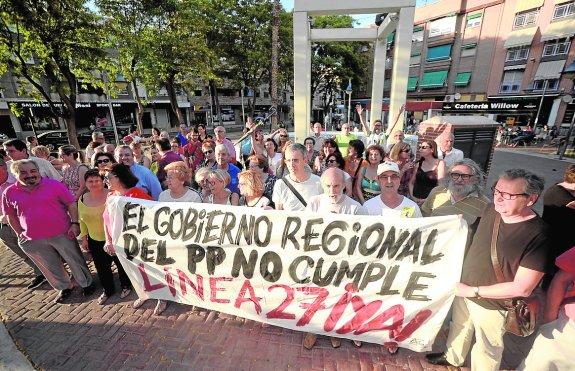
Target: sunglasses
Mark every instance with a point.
(424, 147)
(331, 161)
(456, 176)
(103, 161)
(208, 152)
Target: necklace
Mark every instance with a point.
(248, 205)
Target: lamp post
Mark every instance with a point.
(348, 91)
(568, 73)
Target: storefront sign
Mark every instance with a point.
(60, 105)
(492, 106)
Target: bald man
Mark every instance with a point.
(446, 151)
(333, 199)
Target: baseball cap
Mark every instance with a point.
(387, 166)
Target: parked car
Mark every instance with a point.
(54, 139)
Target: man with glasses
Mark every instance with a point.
(220, 133)
(146, 178)
(461, 194)
(522, 247)
(390, 203)
(445, 149)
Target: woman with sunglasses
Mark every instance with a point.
(102, 161)
(139, 157)
(401, 154)
(430, 169)
(209, 153)
(91, 206)
(366, 185)
(329, 146)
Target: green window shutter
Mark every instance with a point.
(469, 46)
(473, 16)
(391, 37)
(417, 28)
(412, 83)
(435, 79)
(440, 52)
(462, 79)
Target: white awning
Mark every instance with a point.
(516, 67)
(520, 37)
(549, 70)
(558, 30)
(523, 5)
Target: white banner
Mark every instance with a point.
(358, 277)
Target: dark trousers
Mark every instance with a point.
(103, 262)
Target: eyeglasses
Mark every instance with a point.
(424, 147)
(392, 177)
(456, 176)
(331, 161)
(208, 152)
(507, 195)
(109, 176)
(103, 161)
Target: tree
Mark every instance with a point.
(65, 39)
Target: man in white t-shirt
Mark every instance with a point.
(333, 199)
(305, 183)
(318, 136)
(390, 203)
(446, 151)
(374, 136)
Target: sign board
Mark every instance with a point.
(491, 106)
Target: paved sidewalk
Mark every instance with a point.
(84, 335)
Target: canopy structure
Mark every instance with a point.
(399, 19)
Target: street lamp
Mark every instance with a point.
(348, 91)
(569, 72)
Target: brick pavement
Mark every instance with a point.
(84, 335)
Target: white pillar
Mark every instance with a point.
(553, 114)
(380, 54)
(302, 75)
(400, 71)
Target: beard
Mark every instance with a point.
(461, 190)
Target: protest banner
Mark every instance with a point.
(358, 277)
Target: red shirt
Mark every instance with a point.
(566, 262)
(134, 192)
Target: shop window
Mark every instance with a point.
(556, 47)
(517, 54)
(564, 10)
(525, 19)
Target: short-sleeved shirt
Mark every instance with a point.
(378, 139)
(46, 169)
(346, 205)
(343, 142)
(284, 196)
(42, 211)
(559, 217)
(233, 170)
(406, 209)
(189, 196)
(524, 244)
(450, 157)
(147, 180)
(167, 158)
(566, 262)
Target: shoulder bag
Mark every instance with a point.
(294, 191)
(521, 312)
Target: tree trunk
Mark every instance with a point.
(174, 100)
(140, 109)
(275, 45)
(72, 133)
(215, 100)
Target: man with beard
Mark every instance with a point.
(44, 215)
(333, 200)
(461, 193)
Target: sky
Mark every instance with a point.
(364, 20)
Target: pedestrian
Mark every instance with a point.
(376, 135)
(98, 139)
(310, 152)
(318, 136)
(446, 151)
(220, 134)
(223, 160)
(218, 181)
(139, 157)
(521, 247)
(183, 135)
(398, 137)
(272, 155)
(366, 186)
(209, 153)
(73, 170)
(17, 150)
(193, 150)
(252, 190)
(91, 206)
(178, 177)
(201, 179)
(102, 161)
(44, 216)
(430, 169)
(167, 156)
(147, 180)
(343, 138)
(401, 154)
(260, 165)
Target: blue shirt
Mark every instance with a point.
(233, 170)
(147, 180)
(183, 139)
(246, 146)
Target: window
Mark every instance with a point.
(417, 34)
(473, 20)
(526, 18)
(552, 84)
(564, 10)
(435, 79)
(511, 81)
(517, 54)
(415, 60)
(437, 53)
(462, 79)
(468, 50)
(556, 47)
(412, 83)
(442, 26)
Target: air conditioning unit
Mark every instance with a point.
(449, 98)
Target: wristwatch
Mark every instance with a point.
(476, 292)
(72, 222)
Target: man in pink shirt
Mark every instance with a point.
(44, 216)
(556, 338)
(8, 236)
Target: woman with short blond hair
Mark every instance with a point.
(177, 178)
(218, 180)
(252, 189)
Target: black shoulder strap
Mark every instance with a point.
(294, 191)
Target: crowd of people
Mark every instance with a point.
(51, 205)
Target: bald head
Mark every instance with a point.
(445, 141)
(333, 184)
